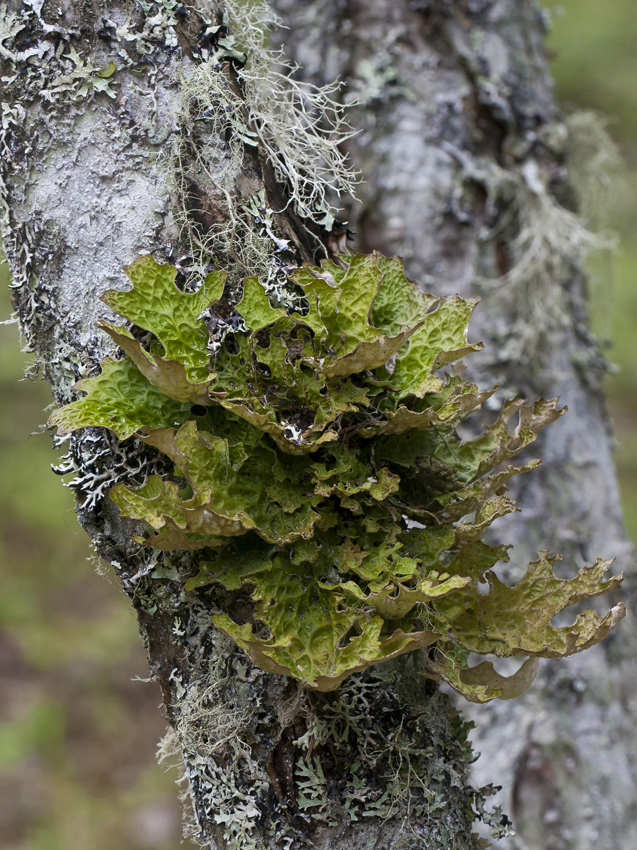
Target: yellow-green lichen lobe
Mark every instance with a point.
(321, 472)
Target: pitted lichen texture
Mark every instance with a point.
(317, 461)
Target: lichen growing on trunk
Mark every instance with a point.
(186, 162)
(321, 467)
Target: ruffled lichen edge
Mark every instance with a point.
(317, 460)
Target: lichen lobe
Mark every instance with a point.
(323, 475)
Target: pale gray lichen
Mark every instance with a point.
(300, 126)
(81, 79)
(550, 242)
(593, 161)
(204, 160)
(98, 460)
(547, 241)
(220, 778)
(234, 104)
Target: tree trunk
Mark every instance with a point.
(465, 159)
(123, 133)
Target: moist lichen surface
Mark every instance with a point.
(318, 467)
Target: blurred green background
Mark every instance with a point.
(77, 732)
(594, 49)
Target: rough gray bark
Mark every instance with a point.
(465, 160)
(86, 187)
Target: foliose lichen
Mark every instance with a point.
(317, 463)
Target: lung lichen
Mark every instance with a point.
(317, 461)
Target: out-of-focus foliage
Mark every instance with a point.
(595, 67)
(77, 733)
(593, 61)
